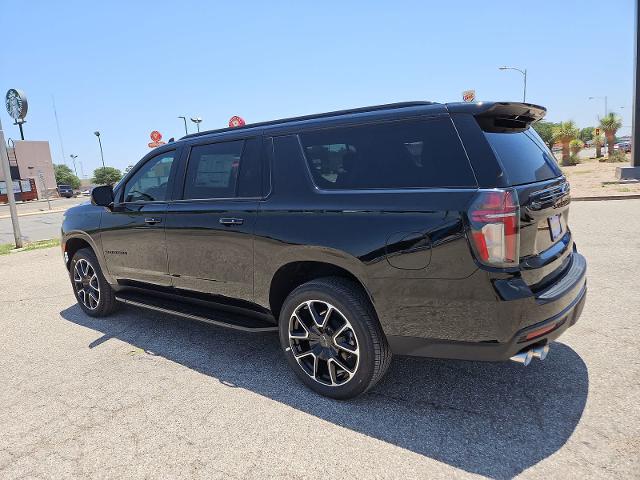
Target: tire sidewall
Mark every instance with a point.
(362, 379)
(102, 282)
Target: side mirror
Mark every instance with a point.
(102, 196)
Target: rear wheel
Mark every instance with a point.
(93, 293)
(332, 338)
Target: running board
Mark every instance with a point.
(220, 318)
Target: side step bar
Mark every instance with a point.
(220, 318)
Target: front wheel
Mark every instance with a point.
(93, 293)
(332, 338)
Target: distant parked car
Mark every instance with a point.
(65, 191)
(623, 147)
(86, 192)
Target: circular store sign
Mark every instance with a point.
(17, 105)
(236, 121)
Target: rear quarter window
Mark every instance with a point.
(523, 156)
(392, 155)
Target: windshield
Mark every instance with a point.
(524, 157)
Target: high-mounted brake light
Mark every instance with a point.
(494, 220)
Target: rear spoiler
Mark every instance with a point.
(501, 117)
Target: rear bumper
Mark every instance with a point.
(568, 295)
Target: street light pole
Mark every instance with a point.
(73, 159)
(185, 125)
(524, 74)
(606, 109)
(8, 181)
(97, 134)
(197, 121)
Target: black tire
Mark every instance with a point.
(353, 305)
(106, 301)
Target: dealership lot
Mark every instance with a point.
(142, 394)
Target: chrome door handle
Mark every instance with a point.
(152, 220)
(231, 221)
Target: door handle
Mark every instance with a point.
(152, 220)
(231, 221)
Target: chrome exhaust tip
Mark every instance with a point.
(523, 357)
(541, 351)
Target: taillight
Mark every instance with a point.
(494, 220)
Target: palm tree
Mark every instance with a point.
(598, 141)
(610, 125)
(564, 132)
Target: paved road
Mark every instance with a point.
(145, 395)
(35, 221)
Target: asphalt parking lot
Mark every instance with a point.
(145, 395)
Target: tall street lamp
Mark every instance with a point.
(524, 74)
(197, 121)
(605, 103)
(97, 134)
(73, 159)
(186, 132)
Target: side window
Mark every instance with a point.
(403, 154)
(224, 170)
(212, 171)
(150, 183)
(249, 181)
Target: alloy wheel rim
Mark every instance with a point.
(324, 343)
(85, 280)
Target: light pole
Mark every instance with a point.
(8, 182)
(186, 132)
(197, 121)
(524, 74)
(97, 134)
(606, 110)
(73, 159)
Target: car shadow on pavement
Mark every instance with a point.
(492, 419)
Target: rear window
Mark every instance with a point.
(523, 156)
(403, 154)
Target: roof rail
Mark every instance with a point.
(336, 113)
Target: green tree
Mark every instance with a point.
(610, 125)
(64, 176)
(564, 132)
(106, 176)
(586, 134)
(545, 130)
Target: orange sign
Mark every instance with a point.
(156, 136)
(469, 95)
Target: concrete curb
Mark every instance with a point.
(635, 196)
(39, 212)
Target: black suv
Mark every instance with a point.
(415, 228)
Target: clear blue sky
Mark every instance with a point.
(126, 68)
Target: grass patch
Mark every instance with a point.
(9, 247)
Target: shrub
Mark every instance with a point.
(617, 156)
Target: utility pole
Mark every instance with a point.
(8, 181)
(633, 172)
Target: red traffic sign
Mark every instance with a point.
(469, 95)
(156, 136)
(236, 121)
